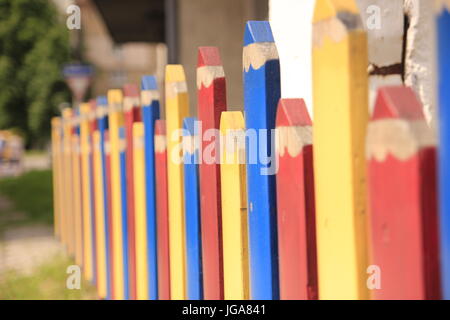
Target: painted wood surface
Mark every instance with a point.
(211, 92)
(87, 193)
(132, 114)
(401, 160)
(162, 218)
(340, 52)
(140, 207)
(191, 148)
(100, 243)
(234, 207)
(295, 201)
(92, 125)
(67, 169)
(443, 85)
(177, 108)
(102, 123)
(56, 136)
(115, 121)
(261, 95)
(150, 113)
(124, 216)
(76, 220)
(110, 229)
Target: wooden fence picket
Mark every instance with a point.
(340, 95)
(115, 120)
(443, 85)
(87, 192)
(102, 124)
(234, 207)
(150, 113)
(211, 90)
(261, 94)
(162, 218)
(67, 115)
(140, 207)
(194, 274)
(124, 213)
(110, 229)
(177, 108)
(56, 136)
(401, 160)
(295, 200)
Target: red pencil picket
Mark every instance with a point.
(162, 215)
(401, 158)
(132, 114)
(295, 202)
(211, 103)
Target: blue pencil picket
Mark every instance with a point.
(123, 188)
(102, 122)
(443, 62)
(192, 210)
(261, 95)
(150, 113)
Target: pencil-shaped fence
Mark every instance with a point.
(268, 203)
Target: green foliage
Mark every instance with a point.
(30, 194)
(34, 45)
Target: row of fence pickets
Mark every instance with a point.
(348, 209)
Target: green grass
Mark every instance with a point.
(48, 282)
(31, 194)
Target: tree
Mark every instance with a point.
(34, 45)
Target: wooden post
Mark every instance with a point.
(115, 120)
(234, 207)
(295, 201)
(177, 108)
(87, 193)
(56, 172)
(68, 187)
(443, 67)
(261, 95)
(92, 125)
(162, 218)
(340, 118)
(211, 90)
(102, 123)
(100, 243)
(76, 220)
(132, 114)
(150, 113)
(142, 276)
(192, 210)
(110, 228)
(401, 160)
(124, 217)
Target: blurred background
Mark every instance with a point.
(119, 41)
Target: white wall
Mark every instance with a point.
(291, 25)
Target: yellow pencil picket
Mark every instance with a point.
(340, 118)
(115, 99)
(140, 212)
(67, 198)
(56, 148)
(234, 206)
(85, 148)
(177, 108)
(77, 212)
(100, 245)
